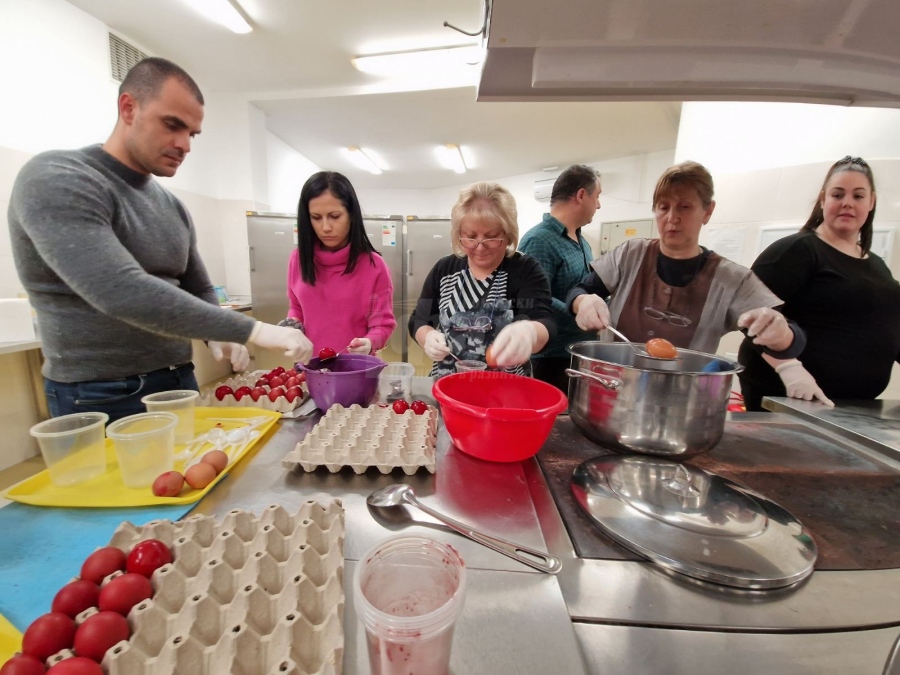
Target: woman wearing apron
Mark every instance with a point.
(673, 288)
(485, 294)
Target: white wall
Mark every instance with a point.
(287, 171)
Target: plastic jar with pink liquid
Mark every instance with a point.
(408, 593)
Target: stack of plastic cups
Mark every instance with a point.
(408, 593)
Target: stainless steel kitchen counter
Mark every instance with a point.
(875, 424)
(635, 617)
(615, 616)
(515, 619)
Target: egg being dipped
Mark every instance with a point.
(661, 348)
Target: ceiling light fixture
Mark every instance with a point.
(222, 12)
(364, 160)
(451, 156)
(419, 62)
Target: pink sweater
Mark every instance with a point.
(342, 307)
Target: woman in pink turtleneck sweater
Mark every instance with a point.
(339, 288)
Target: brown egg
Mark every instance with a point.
(200, 475)
(216, 459)
(661, 348)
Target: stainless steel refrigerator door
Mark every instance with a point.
(272, 238)
(386, 235)
(426, 241)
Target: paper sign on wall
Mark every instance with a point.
(630, 232)
(389, 234)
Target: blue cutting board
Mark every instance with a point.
(41, 549)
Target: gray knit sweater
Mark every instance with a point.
(109, 260)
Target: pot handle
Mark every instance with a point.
(609, 382)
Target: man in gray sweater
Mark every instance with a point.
(110, 262)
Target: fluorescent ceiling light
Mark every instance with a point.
(451, 156)
(419, 62)
(223, 12)
(364, 159)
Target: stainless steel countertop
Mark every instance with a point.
(613, 616)
(515, 619)
(875, 424)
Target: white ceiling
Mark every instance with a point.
(295, 65)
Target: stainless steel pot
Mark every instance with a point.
(621, 403)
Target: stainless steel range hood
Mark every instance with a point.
(843, 52)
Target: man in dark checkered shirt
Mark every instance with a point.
(565, 255)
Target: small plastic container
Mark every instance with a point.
(395, 382)
(408, 593)
(145, 446)
(178, 401)
(469, 366)
(73, 447)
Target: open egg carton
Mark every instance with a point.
(280, 404)
(249, 596)
(358, 438)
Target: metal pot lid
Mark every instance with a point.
(694, 522)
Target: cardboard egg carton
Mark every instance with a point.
(281, 404)
(250, 595)
(359, 437)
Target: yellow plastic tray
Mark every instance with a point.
(108, 491)
(10, 640)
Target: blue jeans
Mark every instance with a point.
(117, 398)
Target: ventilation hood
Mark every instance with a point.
(843, 52)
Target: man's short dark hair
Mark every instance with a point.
(147, 77)
(573, 179)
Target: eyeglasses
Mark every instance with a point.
(671, 317)
(480, 324)
(471, 244)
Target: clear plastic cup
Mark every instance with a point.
(408, 593)
(145, 446)
(73, 447)
(469, 366)
(178, 401)
(395, 382)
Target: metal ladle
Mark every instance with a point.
(398, 494)
(661, 362)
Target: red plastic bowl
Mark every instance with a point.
(499, 417)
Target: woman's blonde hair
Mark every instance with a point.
(485, 201)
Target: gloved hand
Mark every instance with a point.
(360, 346)
(514, 344)
(593, 313)
(799, 383)
(237, 354)
(767, 328)
(436, 346)
(292, 341)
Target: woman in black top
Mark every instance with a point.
(486, 294)
(839, 292)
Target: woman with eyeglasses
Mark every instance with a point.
(838, 291)
(485, 294)
(673, 288)
(339, 288)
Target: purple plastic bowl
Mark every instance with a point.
(352, 379)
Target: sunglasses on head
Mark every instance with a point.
(859, 161)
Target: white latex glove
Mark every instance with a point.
(514, 344)
(593, 313)
(767, 328)
(799, 383)
(237, 354)
(436, 346)
(291, 341)
(360, 346)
